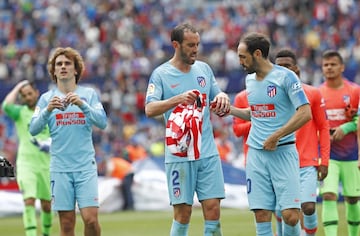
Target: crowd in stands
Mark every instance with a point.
(122, 41)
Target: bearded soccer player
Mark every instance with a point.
(278, 107)
(33, 160)
(177, 86)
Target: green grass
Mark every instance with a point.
(234, 222)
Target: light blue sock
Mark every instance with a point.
(178, 229)
(264, 229)
(310, 224)
(212, 228)
(291, 230)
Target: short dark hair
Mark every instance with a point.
(332, 53)
(256, 41)
(287, 53)
(177, 34)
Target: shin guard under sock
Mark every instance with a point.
(353, 218)
(29, 220)
(46, 222)
(212, 228)
(310, 224)
(330, 217)
(178, 229)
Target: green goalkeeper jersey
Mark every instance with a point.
(28, 155)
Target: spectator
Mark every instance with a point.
(121, 169)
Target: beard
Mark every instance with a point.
(188, 58)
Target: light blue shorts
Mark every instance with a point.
(308, 184)
(203, 177)
(273, 178)
(69, 188)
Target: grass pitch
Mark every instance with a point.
(234, 222)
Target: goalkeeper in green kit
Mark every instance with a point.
(32, 161)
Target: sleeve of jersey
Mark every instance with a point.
(95, 111)
(154, 90)
(11, 110)
(40, 117)
(241, 127)
(215, 89)
(295, 91)
(320, 119)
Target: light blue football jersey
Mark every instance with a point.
(273, 102)
(167, 81)
(70, 130)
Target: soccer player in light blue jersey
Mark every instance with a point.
(278, 107)
(176, 85)
(70, 111)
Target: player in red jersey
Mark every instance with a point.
(341, 100)
(241, 127)
(313, 145)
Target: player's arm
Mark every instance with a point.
(40, 117)
(94, 110)
(156, 108)
(242, 113)
(301, 116)
(241, 127)
(12, 95)
(351, 114)
(9, 104)
(322, 125)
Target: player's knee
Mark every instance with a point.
(182, 213)
(91, 223)
(46, 206)
(329, 197)
(291, 216)
(308, 208)
(351, 200)
(211, 209)
(67, 227)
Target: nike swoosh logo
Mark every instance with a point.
(174, 85)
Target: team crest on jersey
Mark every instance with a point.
(201, 81)
(271, 91)
(176, 192)
(346, 99)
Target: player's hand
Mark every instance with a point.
(23, 83)
(73, 98)
(43, 146)
(337, 134)
(270, 143)
(189, 97)
(56, 103)
(322, 172)
(220, 105)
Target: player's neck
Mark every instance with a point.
(178, 64)
(66, 86)
(263, 70)
(335, 83)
